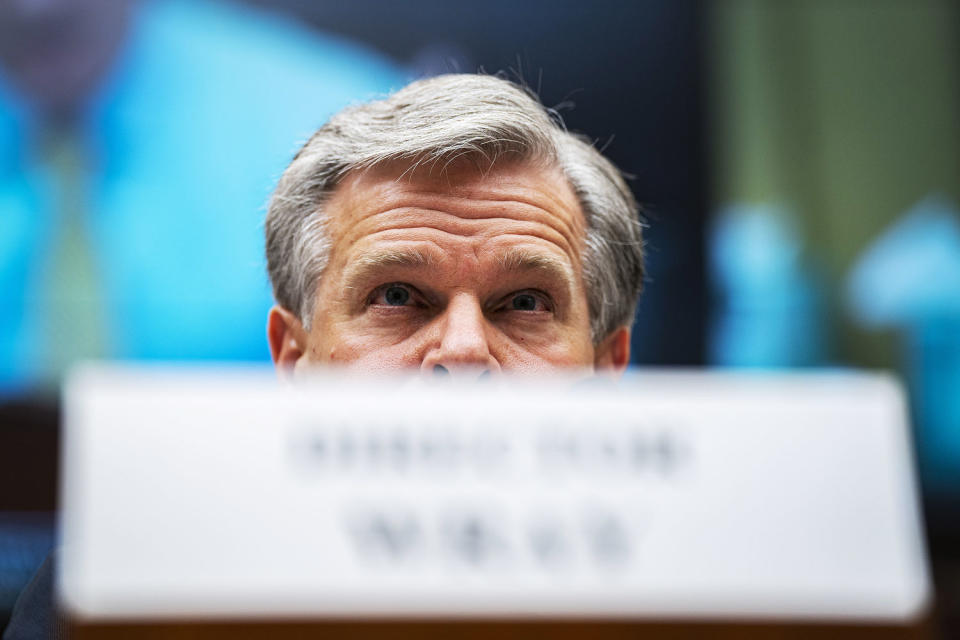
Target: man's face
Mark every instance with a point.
(456, 272)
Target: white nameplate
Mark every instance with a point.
(694, 495)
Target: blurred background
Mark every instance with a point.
(798, 163)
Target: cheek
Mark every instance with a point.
(529, 354)
(383, 361)
(371, 354)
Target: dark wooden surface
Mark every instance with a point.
(29, 454)
(502, 631)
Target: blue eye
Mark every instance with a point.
(524, 302)
(528, 302)
(396, 296)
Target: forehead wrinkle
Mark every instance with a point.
(367, 206)
(465, 201)
(503, 183)
(478, 208)
(411, 219)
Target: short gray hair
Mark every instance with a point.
(439, 120)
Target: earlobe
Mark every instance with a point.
(287, 339)
(613, 354)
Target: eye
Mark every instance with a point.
(395, 294)
(527, 301)
(523, 302)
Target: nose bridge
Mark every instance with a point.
(465, 331)
(463, 343)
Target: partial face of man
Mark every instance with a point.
(458, 272)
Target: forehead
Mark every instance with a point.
(460, 204)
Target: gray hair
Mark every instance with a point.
(439, 120)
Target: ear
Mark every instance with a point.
(287, 338)
(613, 354)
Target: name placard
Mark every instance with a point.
(212, 493)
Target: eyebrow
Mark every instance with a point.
(521, 260)
(513, 260)
(368, 265)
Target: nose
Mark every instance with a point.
(461, 348)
